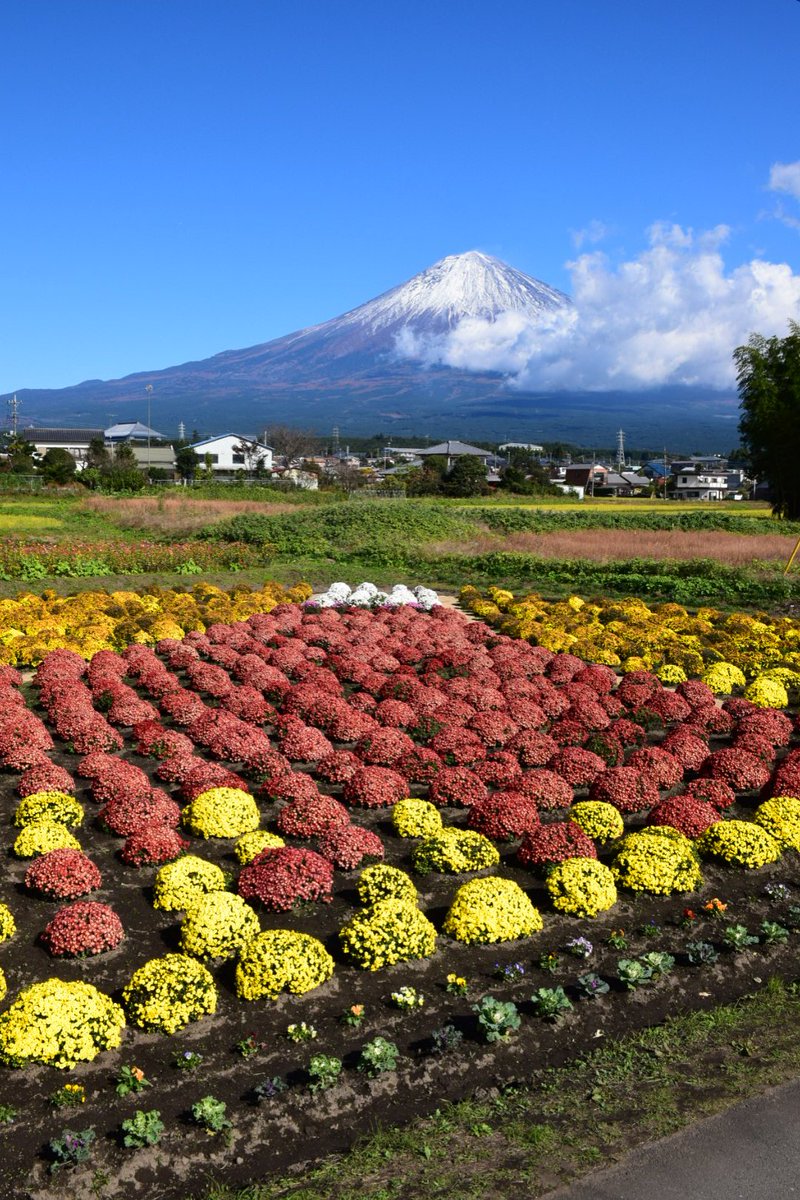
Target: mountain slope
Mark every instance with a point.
(354, 371)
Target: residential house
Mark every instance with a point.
(230, 453)
(74, 441)
(699, 483)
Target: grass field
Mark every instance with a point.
(600, 547)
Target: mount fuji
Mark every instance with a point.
(363, 371)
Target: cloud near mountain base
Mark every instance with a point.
(672, 315)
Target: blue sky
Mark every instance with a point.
(181, 177)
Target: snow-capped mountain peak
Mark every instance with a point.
(458, 286)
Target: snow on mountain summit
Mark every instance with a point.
(458, 286)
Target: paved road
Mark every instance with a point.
(749, 1152)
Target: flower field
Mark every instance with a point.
(630, 635)
(275, 870)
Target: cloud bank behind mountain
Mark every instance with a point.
(672, 315)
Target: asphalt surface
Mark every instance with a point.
(749, 1152)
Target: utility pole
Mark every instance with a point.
(149, 390)
(665, 472)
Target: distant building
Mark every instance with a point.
(532, 446)
(306, 480)
(231, 453)
(132, 431)
(74, 441)
(451, 450)
(698, 483)
(597, 480)
(156, 458)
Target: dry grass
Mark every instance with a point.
(179, 515)
(609, 545)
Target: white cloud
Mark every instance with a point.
(785, 177)
(672, 315)
(593, 233)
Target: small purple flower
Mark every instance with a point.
(581, 947)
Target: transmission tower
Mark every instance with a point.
(13, 413)
(621, 450)
(181, 432)
(335, 444)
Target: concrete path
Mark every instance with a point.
(748, 1152)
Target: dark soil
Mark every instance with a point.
(297, 1126)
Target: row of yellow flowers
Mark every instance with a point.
(33, 625)
(726, 649)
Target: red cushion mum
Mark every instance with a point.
(348, 845)
(283, 877)
(692, 817)
(375, 787)
(549, 790)
(456, 786)
(504, 815)
(579, 767)
(63, 875)
(626, 788)
(307, 817)
(125, 816)
(743, 771)
(82, 929)
(660, 764)
(548, 844)
(153, 845)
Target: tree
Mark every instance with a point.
(253, 455)
(186, 462)
(290, 443)
(20, 454)
(466, 477)
(768, 374)
(427, 479)
(98, 456)
(58, 466)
